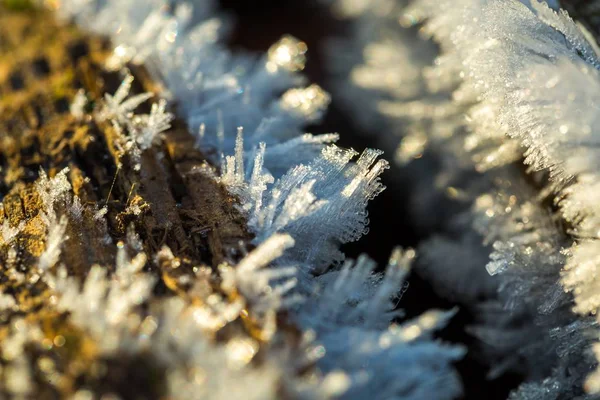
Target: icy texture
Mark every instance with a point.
(526, 78)
(345, 315)
(217, 92)
(297, 189)
(537, 82)
(137, 132)
(321, 204)
(395, 87)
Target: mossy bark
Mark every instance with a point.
(173, 199)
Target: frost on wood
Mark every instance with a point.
(525, 76)
(115, 311)
(150, 311)
(137, 131)
(217, 92)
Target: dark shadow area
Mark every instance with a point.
(259, 24)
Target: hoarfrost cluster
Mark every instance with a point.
(303, 198)
(476, 89)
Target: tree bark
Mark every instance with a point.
(172, 200)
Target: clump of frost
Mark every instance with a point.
(136, 132)
(353, 305)
(321, 204)
(118, 312)
(318, 197)
(525, 77)
(535, 82)
(216, 91)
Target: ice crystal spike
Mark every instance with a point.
(239, 156)
(77, 108)
(267, 288)
(152, 126)
(270, 250)
(9, 233)
(288, 53)
(426, 322)
(56, 236)
(118, 107)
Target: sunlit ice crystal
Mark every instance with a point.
(310, 102)
(288, 53)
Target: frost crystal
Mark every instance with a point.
(153, 125)
(320, 204)
(288, 53)
(142, 129)
(255, 281)
(10, 232)
(118, 107)
(77, 107)
(56, 236)
(53, 192)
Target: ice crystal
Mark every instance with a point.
(310, 102)
(288, 53)
(56, 236)
(153, 125)
(142, 129)
(118, 106)
(255, 281)
(9, 233)
(77, 107)
(328, 194)
(53, 192)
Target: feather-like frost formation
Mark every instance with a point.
(317, 202)
(525, 76)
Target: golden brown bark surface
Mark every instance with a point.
(172, 200)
